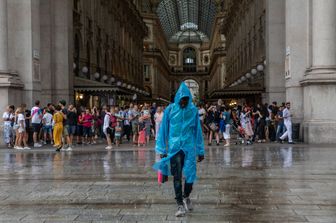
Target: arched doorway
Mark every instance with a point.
(194, 89)
(189, 60)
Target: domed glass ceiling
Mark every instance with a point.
(187, 20)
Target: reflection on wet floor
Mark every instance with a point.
(259, 183)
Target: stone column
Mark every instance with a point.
(275, 51)
(320, 80)
(3, 36)
(62, 51)
(297, 41)
(10, 83)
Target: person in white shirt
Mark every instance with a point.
(36, 120)
(8, 118)
(158, 119)
(107, 127)
(201, 114)
(287, 116)
(20, 124)
(47, 125)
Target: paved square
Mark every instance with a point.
(260, 183)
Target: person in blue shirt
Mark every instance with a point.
(226, 116)
(179, 141)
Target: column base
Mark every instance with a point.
(319, 132)
(10, 93)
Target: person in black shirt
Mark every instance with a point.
(71, 123)
(212, 121)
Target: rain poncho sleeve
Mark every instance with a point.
(199, 138)
(180, 130)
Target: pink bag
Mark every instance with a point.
(161, 178)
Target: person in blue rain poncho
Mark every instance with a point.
(179, 141)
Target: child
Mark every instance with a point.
(117, 134)
(47, 125)
(142, 132)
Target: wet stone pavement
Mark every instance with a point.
(259, 183)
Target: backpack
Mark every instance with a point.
(113, 121)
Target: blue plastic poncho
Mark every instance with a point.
(180, 130)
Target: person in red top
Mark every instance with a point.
(87, 126)
(79, 130)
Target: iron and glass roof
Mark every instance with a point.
(187, 20)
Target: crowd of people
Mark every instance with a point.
(259, 123)
(63, 126)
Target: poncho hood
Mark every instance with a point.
(182, 92)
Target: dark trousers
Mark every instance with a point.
(177, 163)
(261, 129)
(127, 131)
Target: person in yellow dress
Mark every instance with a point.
(58, 128)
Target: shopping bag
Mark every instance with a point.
(162, 178)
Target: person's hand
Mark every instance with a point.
(200, 158)
(163, 156)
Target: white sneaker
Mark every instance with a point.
(188, 204)
(226, 145)
(108, 147)
(20, 148)
(37, 145)
(27, 148)
(180, 211)
(69, 148)
(63, 148)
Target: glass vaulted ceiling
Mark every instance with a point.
(187, 20)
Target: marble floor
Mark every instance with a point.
(259, 183)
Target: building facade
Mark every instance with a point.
(52, 50)
(96, 52)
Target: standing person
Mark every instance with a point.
(72, 124)
(153, 110)
(213, 124)
(102, 117)
(226, 116)
(158, 119)
(245, 121)
(27, 114)
(20, 130)
(181, 132)
(36, 120)
(202, 114)
(79, 129)
(127, 124)
(281, 125)
(135, 124)
(287, 116)
(263, 114)
(118, 134)
(119, 114)
(107, 129)
(8, 118)
(142, 132)
(147, 120)
(47, 126)
(58, 128)
(87, 126)
(64, 112)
